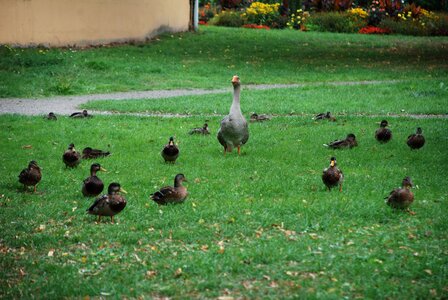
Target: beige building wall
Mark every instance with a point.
(88, 22)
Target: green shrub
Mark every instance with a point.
(434, 24)
(333, 22)
(228, 18)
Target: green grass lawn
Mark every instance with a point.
(259, 225)
(208, 59)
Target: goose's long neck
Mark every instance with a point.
(235, 108)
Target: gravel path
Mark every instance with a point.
(65, 105)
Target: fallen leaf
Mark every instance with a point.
(151, 274)
(292, 273)
(313, 236)
(204, 248)
(266, 277)
(22, 272)
(428, 271)
(27, 147)
(51, 253)
(178, 273)
(247, 285)
(273, 284)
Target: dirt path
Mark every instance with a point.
(65, 105)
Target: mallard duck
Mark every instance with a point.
(170, 152)
(401, 198)
(383, 134)
(234, 131)
(89, 153)
(332, 176)
(30, 176)
(71, 157)
(200, 130)
(348, 142)
(416, 140)
(80, 114)
(109, 205)
(51, 116)
(170, 194)
(92, 186)
(326, 116)
(259, 118)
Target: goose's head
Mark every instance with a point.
(236, 81)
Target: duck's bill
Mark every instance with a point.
(123, 191)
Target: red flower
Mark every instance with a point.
(255, 26)
(374, 30)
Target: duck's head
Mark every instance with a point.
(51, 114)
(84, 112)
(71, 147)
(407, 183)
(97, 167)
(333, 161)
(351, 136)
(419, 130)
(236, 81)
(171, 141)
(328, 114)
(205, 126)
(179, 179)
(33, 164)
(384, 123)
(115, 188)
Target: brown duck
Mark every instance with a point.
(325, 116)
(416, 140)
(89, 153)
(383, 134)
(170, 152)
(200, 130)
(80, 114)
(348, 142)
(332, 176)
(30, 176)
(259, 118)
(92, 186)
(51, 116)
(109, 205)
(401, 198)
(170, 194)
(71, 157)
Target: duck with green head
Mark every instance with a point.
(383, 134)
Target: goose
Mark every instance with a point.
(30, 176)
(110, 204)
(416, 140)
(92, 186)
(170, 152)
(383, 134)
(71, 157)
(332, 176)
(234, 131)
(171, 194)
